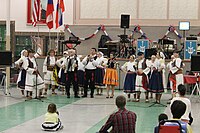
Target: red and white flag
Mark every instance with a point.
(59, 13)
(49, 14)
(36, 14)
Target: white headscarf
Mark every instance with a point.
(22, 52)
(101, 53)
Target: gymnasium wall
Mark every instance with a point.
(19, 15)
(143, 12)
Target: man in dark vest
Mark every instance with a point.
(71, 67)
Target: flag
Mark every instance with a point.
(49, 14)
(59, 13)
(36, 14)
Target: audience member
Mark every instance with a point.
(181, 92)
(122, 121)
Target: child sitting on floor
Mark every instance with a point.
(52, 122)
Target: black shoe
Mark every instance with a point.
(84, 96)
(68, 96)
(76, 97)
(92, 96)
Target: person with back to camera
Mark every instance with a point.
(178, 109)
(52, 121)
(122, 121)
(187, 115)
(161, 118)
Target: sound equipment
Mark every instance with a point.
(191, 38)
(195, 63)
(5, 58)
(150, 52)
(125, 21)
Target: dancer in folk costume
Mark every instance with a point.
(32, 73)
(156, 78)
(169, 67)
(142, 78)
(100, 72)
(176, 72)
(90, 67)
(81, 73)
(48, 70)
(129, 83)
(111, 76)
(71, 67)
(22, 74)
(61, 73)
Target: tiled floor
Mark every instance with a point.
(77, 115)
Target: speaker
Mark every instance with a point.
(150, 52)
(195, 63)
(5, 58)
(125, 20)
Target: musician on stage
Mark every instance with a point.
(142, 78)
(176, 72)
(90, 67)
(61, 73)
(48, 68)
(71, 67)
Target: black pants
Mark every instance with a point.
(71, 77)
(89, 80)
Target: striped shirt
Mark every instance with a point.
(123, 121)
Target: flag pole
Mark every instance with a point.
(57, 42)
(49, 37)
(38, 31)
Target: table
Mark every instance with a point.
(192, 79)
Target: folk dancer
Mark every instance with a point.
(111, 76)
(81, 73)
(90, 67)
(156, 78)
(142, 78)
(169, 83)
(22, 73)
(129, 83)
(61, 73)
(33, 78)
(48, 68)
(100, 72)
(71, 66)
(176, 72)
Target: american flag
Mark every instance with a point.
(36, 14)
(59, 13)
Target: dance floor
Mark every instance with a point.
(78, 115)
